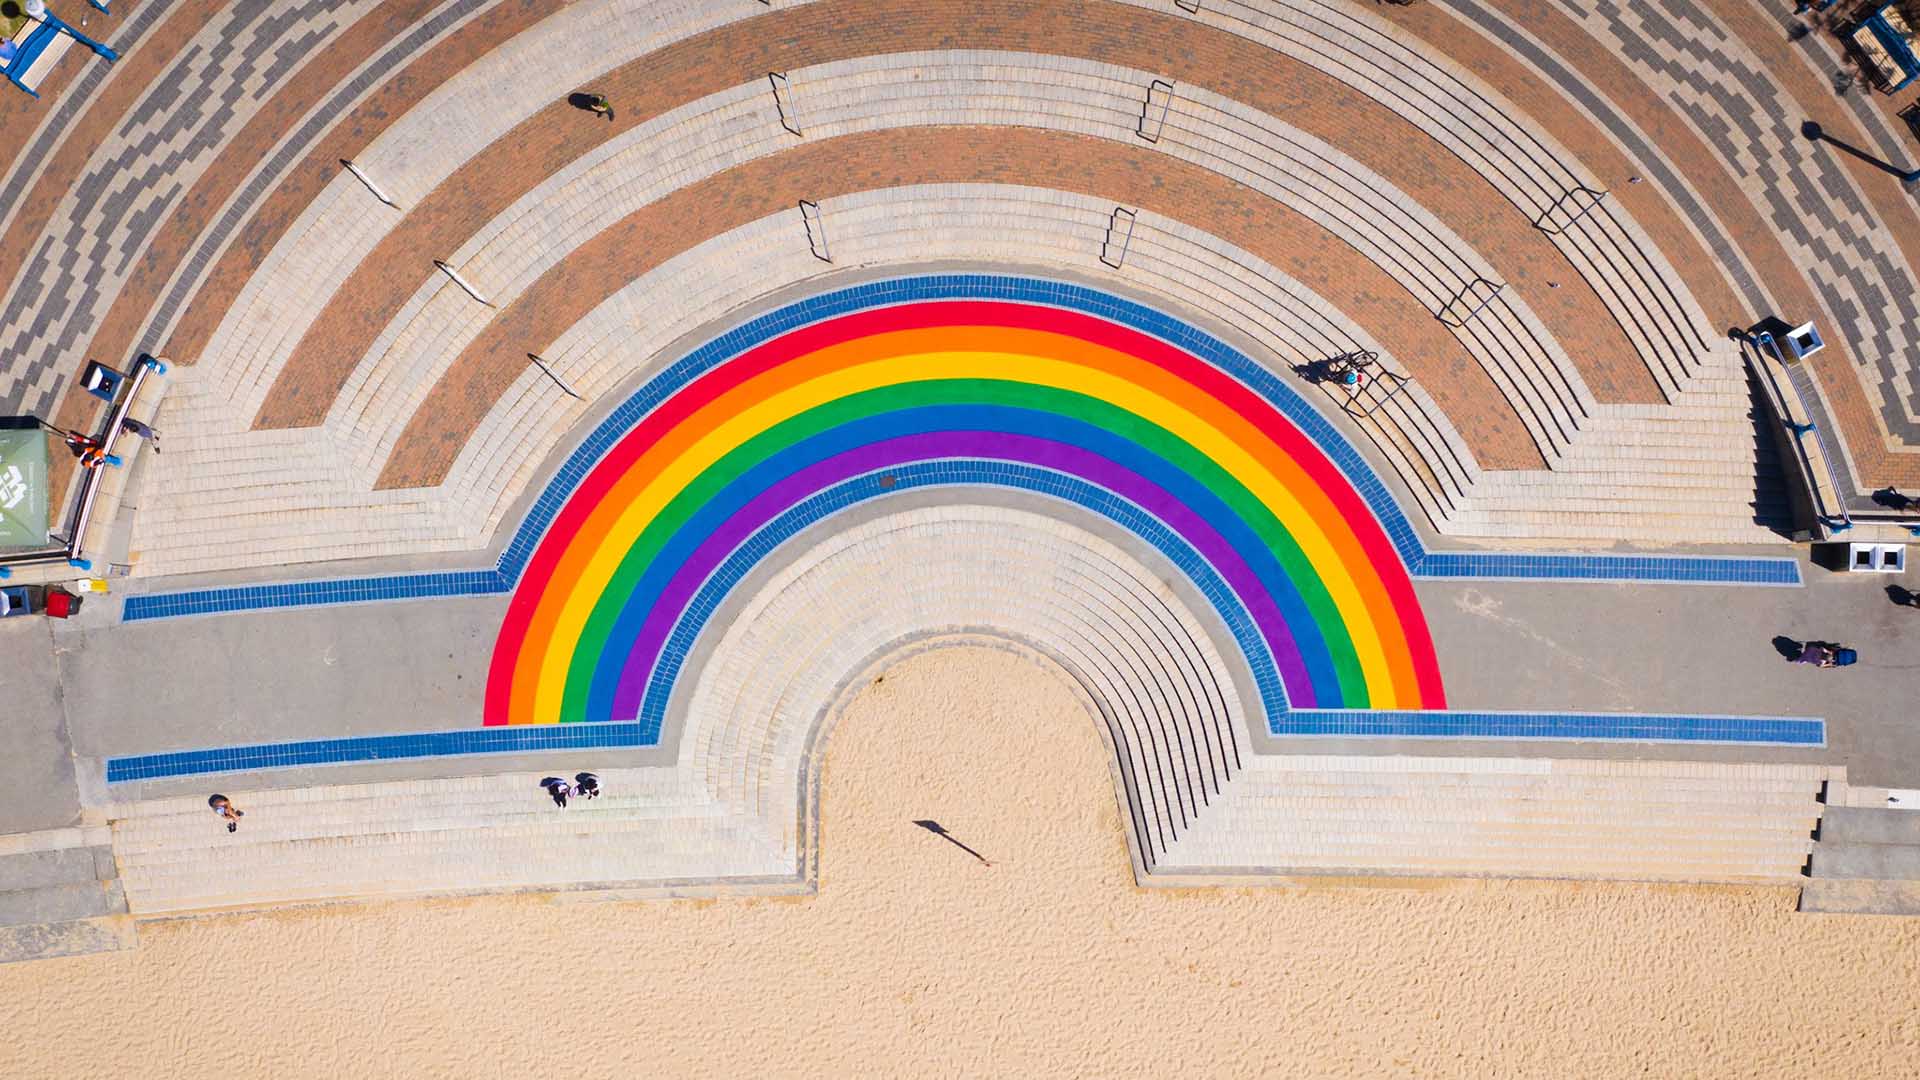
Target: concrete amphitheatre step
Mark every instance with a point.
(412, 838)
(1521, 161)
(59, 896)
(1867, 862)
(1515, 817)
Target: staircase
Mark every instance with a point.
(1507, 817)
(1866, 862)
(650, 831)
(59, 896)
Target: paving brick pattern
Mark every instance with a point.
(1681, 166)
(825, 169)
(1853, 228)
(734, 55)
(1301, 60)
(60, 155)
(132, 180)
(382, 107)
(41, 123)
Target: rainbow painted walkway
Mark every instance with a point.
(1103, 407)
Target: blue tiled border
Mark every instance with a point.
(1528, 726)
(286, 755)
(1420, 563)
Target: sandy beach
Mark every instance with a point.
(916, 959)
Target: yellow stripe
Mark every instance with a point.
(1335, 574)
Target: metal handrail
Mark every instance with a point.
(1800, 431)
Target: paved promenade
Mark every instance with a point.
(378, 668)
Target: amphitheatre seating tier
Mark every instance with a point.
(64, 251)
(1147, 668)
(1636, 820)
(1081, 90)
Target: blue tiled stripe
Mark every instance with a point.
(285, 755)
(1581, 727)
(311, 593)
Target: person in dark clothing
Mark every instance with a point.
(224, 807)
(557, 788)
(586, 785)
(144, 431)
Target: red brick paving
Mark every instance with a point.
(823, 169)
(309, 86)
(1781, 59)
(1165, 43)
(490, 182)
(368, 120)
(1606, 164)
(136, 70)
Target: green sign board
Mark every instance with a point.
(23, 488)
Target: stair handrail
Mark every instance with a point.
(1799, 430)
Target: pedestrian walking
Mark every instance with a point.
(557, 788)
(586, 785)
(145, 431)
(224, 807)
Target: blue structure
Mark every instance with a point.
(44, 35)
(1895, 42)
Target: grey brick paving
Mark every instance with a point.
(1806, 194)
(123, 36)
(289, 152)
(207, 94)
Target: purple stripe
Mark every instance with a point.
(995, 445)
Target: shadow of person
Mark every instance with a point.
(1903, 596)
(1788, 648)
(1891, 499)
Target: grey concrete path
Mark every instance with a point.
(1692, 649)
(381, 668)
(37, 786)
(367, 669)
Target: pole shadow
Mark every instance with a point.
(1813, 131)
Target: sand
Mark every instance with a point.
(915, 959)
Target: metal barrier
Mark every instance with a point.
(1492, 290)
(1126, 240)
(1146, 110)
(816, 230)
(1577, 209)
(783, 101)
